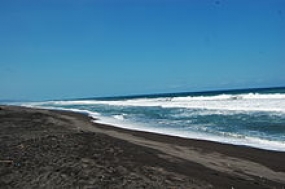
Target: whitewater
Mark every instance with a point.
(254, 118)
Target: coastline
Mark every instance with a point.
(61, 149)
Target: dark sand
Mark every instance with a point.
(57, 149)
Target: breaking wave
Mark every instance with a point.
(250, 119)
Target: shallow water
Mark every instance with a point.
(248, 117)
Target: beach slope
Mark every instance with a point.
(60, 149)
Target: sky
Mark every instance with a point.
(54, 49)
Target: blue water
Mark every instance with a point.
(251, 117)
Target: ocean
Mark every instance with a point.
(249, 117)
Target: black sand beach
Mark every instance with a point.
(58, 149)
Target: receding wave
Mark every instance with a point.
(228, 138)
(251, 119)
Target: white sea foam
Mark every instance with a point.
(119, 117)
(229, 138)
(200, 133)
(243, 102)
(190, 106)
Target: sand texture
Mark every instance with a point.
(58, 149)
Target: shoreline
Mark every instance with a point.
(215, 139)
(135, 158)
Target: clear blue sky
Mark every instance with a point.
(53, 49)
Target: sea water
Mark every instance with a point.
(251, 117)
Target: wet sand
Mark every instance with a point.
(60, 149)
